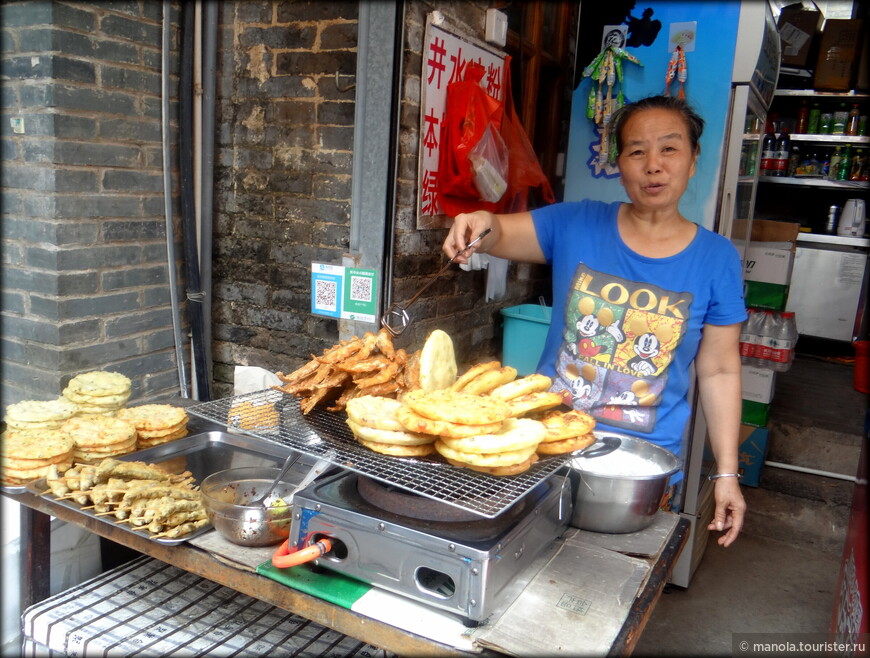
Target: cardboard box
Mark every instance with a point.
(767, 261)
(757, 394)
(837, 62)
(799, 27)
(752, 453)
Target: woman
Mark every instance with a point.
(639, 293)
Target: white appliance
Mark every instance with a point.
(853, 219)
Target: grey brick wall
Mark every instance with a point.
(85, 278)
(85, 282)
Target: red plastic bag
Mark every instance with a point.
(525, 171)
(469, 111)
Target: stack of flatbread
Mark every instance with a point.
(155, 423)
(98, 392)
(374, 422)
(30, 454)
(96, 437)
(474, 431)
(39, 414)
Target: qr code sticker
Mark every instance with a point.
(360, 289)
(325, 295)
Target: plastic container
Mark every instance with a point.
(785, 340)
(525, 331)
(862, 366)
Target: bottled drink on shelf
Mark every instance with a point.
(749, 335)
(813, 121)
(780, 159)
(862, 125)
(768, 154)
(859, 166)
(841, 116)
(834, 166)
(826, 121)
(852, 122)
(844, 168)
(824, 157)
(794, 160)
(783, 343)
(803, 119)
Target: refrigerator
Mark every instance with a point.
(732, 65)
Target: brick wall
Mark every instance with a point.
(85, 280)
(283, 188)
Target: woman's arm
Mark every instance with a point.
(513, 236)
(718, 368)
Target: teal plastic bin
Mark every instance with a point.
(525, 331)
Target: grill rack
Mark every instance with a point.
(325, 435)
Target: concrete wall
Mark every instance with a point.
(85, 278)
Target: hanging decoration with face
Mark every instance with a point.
(606, 73)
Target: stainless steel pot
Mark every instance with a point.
(608, 498)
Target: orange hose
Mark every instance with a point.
(284, 558)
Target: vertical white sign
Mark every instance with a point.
(445, 56)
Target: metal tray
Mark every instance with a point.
(202, 455)
(325, 435)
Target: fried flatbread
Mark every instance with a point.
(462, 408)
(534, 383)
(516, 434)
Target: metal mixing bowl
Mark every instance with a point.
(226, 495)
(611, 500)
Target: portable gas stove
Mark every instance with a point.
(446, 557)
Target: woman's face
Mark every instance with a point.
(657, 159)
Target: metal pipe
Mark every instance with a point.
(811, 471)
(209, 54)
(167, 199)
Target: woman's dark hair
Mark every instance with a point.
(694, 123)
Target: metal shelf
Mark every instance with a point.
(812, 93)
(815, 182)
(831, 139)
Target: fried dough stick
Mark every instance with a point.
(181, 530)
(134, 471)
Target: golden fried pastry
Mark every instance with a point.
(566, 424)
(399, 451)
(534, 383)
(480, 459)
(461, 408)
(473, 372)
(530, 402)
(516, 434)
(490, 380)
(400, 438)
(566, 445)
(414, 422)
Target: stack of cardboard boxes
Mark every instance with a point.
(767, 266)
(826, 54)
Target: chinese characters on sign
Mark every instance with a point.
(445, 56)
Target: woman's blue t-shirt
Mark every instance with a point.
(625, 327)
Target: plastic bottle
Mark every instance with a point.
(803, 119)
(852, 122)
(841, 116)
(826, 120)
(834, 166)
(857, 165)
(783, 343)
(824, 157)
(749, 335)
(813, 121)
(780, 159)
(862, 125)
(794, 159)
(768, 154)
(761, 354)
(844, 168)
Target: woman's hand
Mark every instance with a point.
(466, 227)
(730, 510)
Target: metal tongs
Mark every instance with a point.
(396, 319)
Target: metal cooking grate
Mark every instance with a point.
(275, 416)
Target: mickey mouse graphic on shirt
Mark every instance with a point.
(619, 339)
